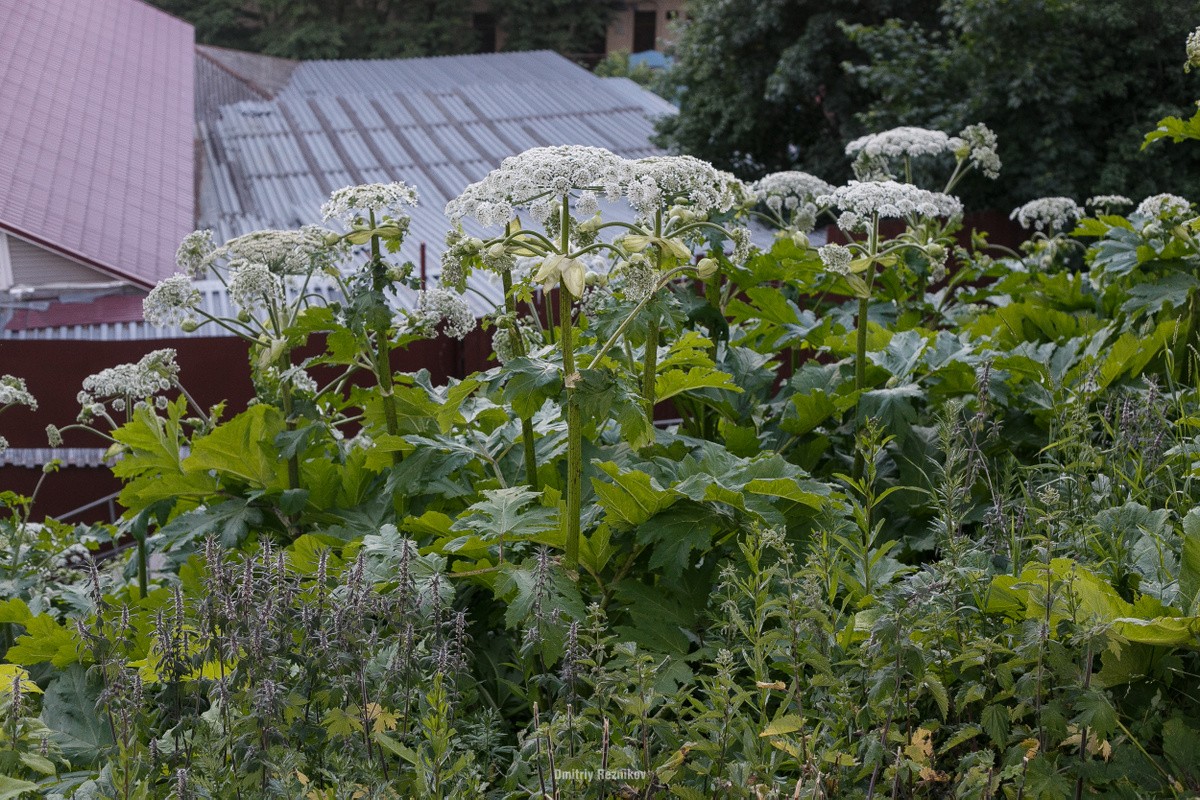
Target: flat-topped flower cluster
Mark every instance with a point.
(863, 201)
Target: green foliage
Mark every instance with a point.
(1052, 105)
(761, 85)
(330, 29)
(570, 27)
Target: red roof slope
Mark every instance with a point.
(96, 132)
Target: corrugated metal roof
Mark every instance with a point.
(435, 123)
(97, 117)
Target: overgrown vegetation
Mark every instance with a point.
(925, 523)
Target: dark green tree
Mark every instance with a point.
(761, 84)
(1069, 86)
(307, 29)
(570, 27)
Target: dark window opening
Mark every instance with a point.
(484, 26)
(645, 35)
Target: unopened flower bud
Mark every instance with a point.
(496, 250)
(706, 268)
(189, 325)
(595, 279)
(591, 225)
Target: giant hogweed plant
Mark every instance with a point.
(672, 197)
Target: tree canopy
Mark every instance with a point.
(1070, 87)
(390, 28)
(567, 26)
(761, 85)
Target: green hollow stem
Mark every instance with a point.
(650, 363)
(574, 423)
(860, 353)
(510, 305)
(860, 373)
(650, 367)
(712, 293)
(383, 348)
(285, 392)
(574, 432)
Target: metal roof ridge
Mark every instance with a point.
(201, 50)
(443, 57)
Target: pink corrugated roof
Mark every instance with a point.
(96, 131)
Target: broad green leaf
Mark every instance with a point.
(241, 449)
(69, 709)
(1131, 352)
(1172, 290)
(902, 354)
(632, 497)
(10, 673)
(1189, 566)
(14, 610)
(503, 514)
(995, 721)
(788, 723)
(787, 489)
(530, 382)
(673, 382)
(450, 413)
(304, 554)
(676, 532)
(44, 640)
(1181, 746)
(662, 619)
(13, 788)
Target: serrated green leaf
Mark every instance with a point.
(241, 449)
(503, 514)
(69, 709)
(44, 640)
(996, 722)
(13, 788)
(672, 382)
(632, 497)
(1189, 565)
(788, 723)
(529, 383)
(675, 533)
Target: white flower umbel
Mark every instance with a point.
(1164, 205)
(535, 178)
(172, 302)
(791, 198)
(437, 304)
(899, 142)
(658, 182)
(1107, 202)
(194, 253)
(862, 201)
(1193, 50)
(253, 286)
(13, 392)
(836, 258)
(977, 144)
(155, 372)
(1048, 214)
(355, 203)
(283, 252)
